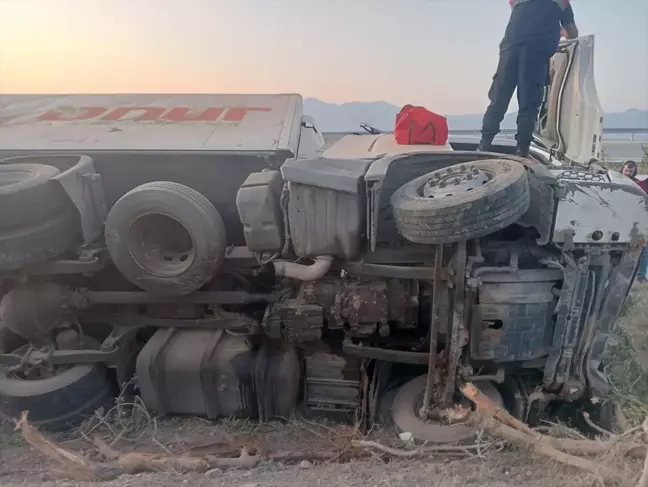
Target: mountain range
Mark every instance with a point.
(345, 117)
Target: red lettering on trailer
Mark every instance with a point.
(83, 113)
(181, 114)
(150, 113)
(236, 114)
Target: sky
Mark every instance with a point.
(438, 53)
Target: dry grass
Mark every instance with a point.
(627, 357)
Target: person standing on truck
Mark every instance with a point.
(630, 169)
(531, 39)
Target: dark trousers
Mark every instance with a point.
(525, 68)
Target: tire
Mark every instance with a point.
(166, 238)
(59, 403)
(404, 413)
(469, 214)
(38, 242)
(28, 194)
(385, 405)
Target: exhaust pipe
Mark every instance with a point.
(302, 272)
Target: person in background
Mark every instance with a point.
(630, 170)
(531, 38)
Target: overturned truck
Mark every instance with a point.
(222, 255)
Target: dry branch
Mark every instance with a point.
(76, 466)
(138, 462)
(544, 448)
(299, 456)
(488, 407)
(245, 460)
(416, 452)
(104, 449)
(501, 424)
(595, 426)
(80, 468)
(569, 445)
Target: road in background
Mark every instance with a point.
(618, 144)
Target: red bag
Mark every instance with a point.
(417, 125)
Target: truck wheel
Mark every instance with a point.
(461, 202)
(166, 238)
(28, 194)
(38, 242)
(405, 414)
(60, 400)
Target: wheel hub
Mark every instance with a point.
(160, 245)
(452, 181)
(30, 369)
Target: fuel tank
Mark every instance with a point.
(215, 374)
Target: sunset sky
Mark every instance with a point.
(440, 53)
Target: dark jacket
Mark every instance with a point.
(536, 23)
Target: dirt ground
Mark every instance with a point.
(492, 465)
(22, 467)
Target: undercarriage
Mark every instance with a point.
(365, 290)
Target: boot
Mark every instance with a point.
(522, 150)
(485, 145)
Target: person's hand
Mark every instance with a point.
(563, 32)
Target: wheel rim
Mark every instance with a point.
(452, 181)
(160, 245)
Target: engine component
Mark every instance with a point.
(216, 374)
(403, 307)
(166, 238)
(513, 320)
(461, 202)
(59, 398)
(332, 381)
(326, 208)
(258, 206)
(361, 306)
(33, 310)
(302, 272)
(28, 195)
(301, 321)
(405, 413)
